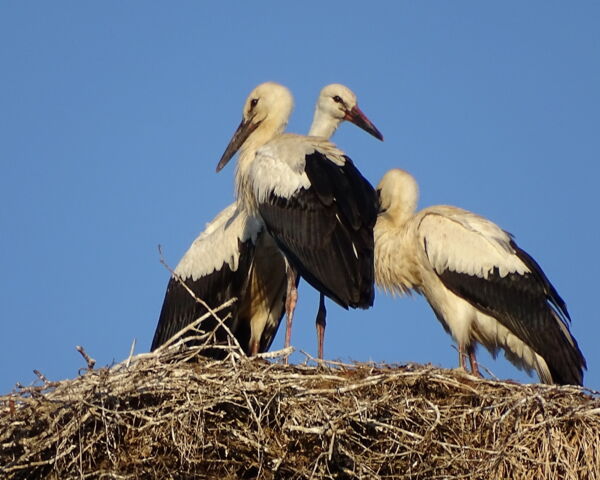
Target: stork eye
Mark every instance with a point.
(253, 103)
(337, 99)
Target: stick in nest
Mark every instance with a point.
(89, 360)
(172, 419)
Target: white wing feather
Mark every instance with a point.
(218, 244)
(464, 242)
(279, 165)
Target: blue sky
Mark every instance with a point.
(113, 116)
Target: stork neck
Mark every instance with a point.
(243, 188)
(395, 268)
(399, 214)
(265, 132)
(323, 125)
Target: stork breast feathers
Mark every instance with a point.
(460, 241)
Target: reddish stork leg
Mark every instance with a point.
(470, 352)
(461, 358)
(290, 303)
(321, 322)
(473, 362)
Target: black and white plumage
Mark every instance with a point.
(482, 287)
(215, 268)
(219, 264)
(336, 103)
(313, 201)
(235, 257)
(322, 219)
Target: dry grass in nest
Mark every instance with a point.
(162, 416)
(173, 414)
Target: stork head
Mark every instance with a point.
(398, 194)
(336, 104)
(265, 115)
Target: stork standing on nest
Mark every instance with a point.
(313, 201)
(481, 285)
(336, 104)
(235, 257)
(216, 267)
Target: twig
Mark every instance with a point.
(192, 326)
(90, 361)
(41, 376)
(211, 311)
(284, 352)
(131, 350)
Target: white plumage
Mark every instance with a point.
(467, 243)
(218, 265)
(279, 168)
(219, 244)
(482, 287)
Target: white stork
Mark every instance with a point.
(235, 257)
(482, 287)
(336, 104)
(313, 201)
(216, 266)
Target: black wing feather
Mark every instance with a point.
(180, 308)
(553, 296)
(319, 228)
(530, 307)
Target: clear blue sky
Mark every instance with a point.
(113, 116)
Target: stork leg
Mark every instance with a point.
(321, 322)
(473, 362)
(461, 357)
(254, 347)
(290, 302)
(463, 353)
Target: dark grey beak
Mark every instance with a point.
(239, 137)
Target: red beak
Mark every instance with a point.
(358, 118)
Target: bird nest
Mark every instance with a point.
(161, 415)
